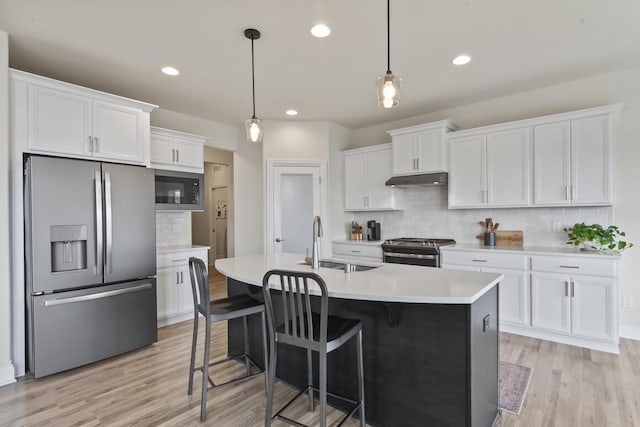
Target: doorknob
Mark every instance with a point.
(279, 240)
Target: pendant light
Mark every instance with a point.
(254, 124)
(388, 84)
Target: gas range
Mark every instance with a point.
(414, 251)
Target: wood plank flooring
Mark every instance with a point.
(570, 386)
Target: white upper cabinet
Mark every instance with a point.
(572, 162)
(559, 160)
(508, 171)
(421, 149)
(468, 176)
(178, 151)
(365, 172)
(69, 120)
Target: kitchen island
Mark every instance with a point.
(430, 339)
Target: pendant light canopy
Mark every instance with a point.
(254, 124)
(388, 84)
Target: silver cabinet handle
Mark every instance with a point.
(177, 156)
(95, 144)
(177, 277)
(181, 277)
(572, 192)
(108, 221)
(572, 289)
(99, 295)
(569, 266)
(566, 289)
(97, 178)
(418, 163)
(479, 260)
(180, 260)
(566, 192)
(355, 252)
(173, 155)
(90, 144)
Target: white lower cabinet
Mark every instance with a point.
(175, 297)
(579, 305)
(541, 296)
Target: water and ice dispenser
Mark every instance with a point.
(68, 247)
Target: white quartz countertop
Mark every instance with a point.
(530, 250)
(179, 248)
(388, 282)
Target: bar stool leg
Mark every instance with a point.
(271, 372)
(194, 343)
(322, 368)
(310, 379)
(246, 345)
(263, 320)
(205, 373)
(360, 378)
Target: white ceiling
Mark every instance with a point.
(119, 46)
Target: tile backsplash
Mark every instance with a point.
(426, 214)
(173, 228)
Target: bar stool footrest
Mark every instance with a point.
(279, 415)
(240, 380)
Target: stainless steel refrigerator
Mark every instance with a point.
(90, 261)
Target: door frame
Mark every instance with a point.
(271, 166)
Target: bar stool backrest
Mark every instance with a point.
(199, 286)
(299, 325)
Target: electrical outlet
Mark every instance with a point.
(627, 302)
(556, 226)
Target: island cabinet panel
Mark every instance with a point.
(424, 364)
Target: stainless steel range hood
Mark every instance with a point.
(440, 178)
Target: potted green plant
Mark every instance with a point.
(595, 237)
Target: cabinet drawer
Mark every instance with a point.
(485, 259)
(357, 250)
(574, 265)
(175, 259)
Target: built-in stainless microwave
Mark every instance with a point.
(179, 191)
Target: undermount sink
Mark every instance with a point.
(342, 265)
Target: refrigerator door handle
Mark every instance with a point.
(108, 221)
(106, 294)
(99, 237)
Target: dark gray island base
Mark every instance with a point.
(424, 364)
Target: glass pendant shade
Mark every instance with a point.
(254, 129)
(388, 86)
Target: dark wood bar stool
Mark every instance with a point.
(314, 332)
(217, 311)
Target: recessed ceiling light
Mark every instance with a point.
(461, 60)
(320, 30)
(291, 113)
(170, 71)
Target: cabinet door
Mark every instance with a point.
(59, 122)
(551, 166)
(184, 290)
(432, 152)
(189, 155)
(550, 304)
(467, 172)
(378, 172)
(591, 161)
(355, 181)
(404, 154)
(592, 307)
(514, 296)
(162, 150)
(118, 132)
(168, 292)
(508, 168)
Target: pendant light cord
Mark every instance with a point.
(253, 80)
(388, 38)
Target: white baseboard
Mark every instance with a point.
(7, 375)
(609, 347)
(630, 332)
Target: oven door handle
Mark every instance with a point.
(412, 256)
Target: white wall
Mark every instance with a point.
(339, 140)
(295, 140)
(220, 135)
(7, 373)
(617, 87)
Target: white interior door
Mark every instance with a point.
(296, 197)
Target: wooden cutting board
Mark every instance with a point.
(506, 238)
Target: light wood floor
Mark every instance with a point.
(569, 387)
